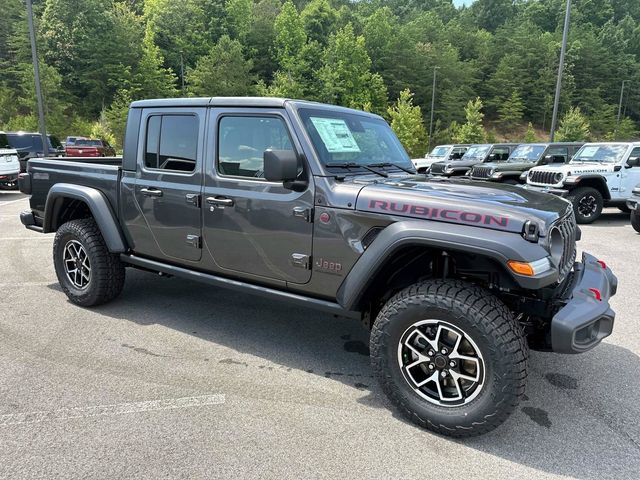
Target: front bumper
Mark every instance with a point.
(586, 316)
(634, 204)
(555, 191)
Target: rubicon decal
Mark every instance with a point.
(442, 214)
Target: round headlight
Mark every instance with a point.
(556, 245)
(557, 178)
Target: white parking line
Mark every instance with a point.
(25, 284)
(13, 201)
(110, 410)
(39, 237)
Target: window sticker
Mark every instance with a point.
(589, 151)
(335, 134)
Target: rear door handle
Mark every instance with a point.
(151, 192)
(222, 201)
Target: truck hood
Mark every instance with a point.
(481, 204)
(576, 168)
(510, 166)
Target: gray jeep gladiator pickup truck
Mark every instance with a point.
(320, 206)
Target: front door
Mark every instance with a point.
(629, 177)
(168, 184)
(253, 227)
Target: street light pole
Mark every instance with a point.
(563, 49)
(433, 103)
(620, 106)
(36, 73)
(182, 71)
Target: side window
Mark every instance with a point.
(635, 153)
(557, 152)
(171, 142)
(501, 153)
(243, 140)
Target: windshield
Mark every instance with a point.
(600, 153)
(440, 151)
(88, 143)
(29, 142)
(476, 151)
(526, 153)
(341, 137)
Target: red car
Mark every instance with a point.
(85, 147)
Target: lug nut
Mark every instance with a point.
(431, 353)
(443, 373)
(431, 366)
(452, 364)
(444, 351)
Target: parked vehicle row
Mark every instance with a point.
(29, 145)
(320, 206)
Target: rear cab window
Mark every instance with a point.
(171, 143)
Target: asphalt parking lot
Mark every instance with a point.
(179, 380)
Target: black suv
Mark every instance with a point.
(29, 145)
(481, 153)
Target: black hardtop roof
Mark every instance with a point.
(246, 102)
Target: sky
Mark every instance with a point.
(459, 3)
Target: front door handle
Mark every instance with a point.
(151, 192)
(221, 201)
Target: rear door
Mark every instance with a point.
(168, 184)
(253, 227)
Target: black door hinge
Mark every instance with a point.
(193, 199)
(304, 213)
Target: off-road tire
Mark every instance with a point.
(583, 194)
(635, 220)
(107, 271)
(485, 319)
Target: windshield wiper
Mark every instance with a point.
(389, 164)
(356, 165)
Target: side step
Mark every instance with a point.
(223, 282)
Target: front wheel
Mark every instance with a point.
(587, 204)
(88, 273)
(635, 220)
(450, 356)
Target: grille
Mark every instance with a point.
(481, 172)
(542, 177)
(437, 168)
(567, 228)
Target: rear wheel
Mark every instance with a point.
(88, 273)
(587, 204)
(635, 220)
(450, 356)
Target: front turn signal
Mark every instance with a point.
(529, 269)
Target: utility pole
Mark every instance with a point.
(36, 73)
(182, 71)
(433, 103)
(563, 49)
(620, 104)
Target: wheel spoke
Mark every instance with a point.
(76, 264)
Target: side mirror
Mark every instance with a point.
(492, 157)
(280, 165)
(546, 160)
(557, 159)
(633, 162)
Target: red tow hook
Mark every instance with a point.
(602, 264)
(596, 294)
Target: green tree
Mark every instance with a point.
(223, 71)
(290, 36)
(407, 123)
(346, 77)
(116, 116)
(574, 126)
(239, 18)
(530, 134)
(511, 111)
(319, 19)
(153, 80)
(627, 129)
(473, 130)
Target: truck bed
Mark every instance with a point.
(100, 173)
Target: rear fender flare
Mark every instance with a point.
(97, 204)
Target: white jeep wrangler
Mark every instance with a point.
(599, 175)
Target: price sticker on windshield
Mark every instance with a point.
(589, 151)
(335, 135)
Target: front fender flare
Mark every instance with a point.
(497, 245)
(97, 204)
